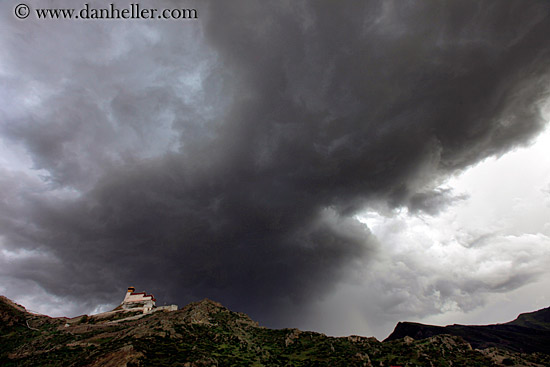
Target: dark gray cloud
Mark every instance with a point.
(226, 158)
(434, 201)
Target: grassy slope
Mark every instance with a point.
(206, 334)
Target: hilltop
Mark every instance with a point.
(207, 334)
(529, 333)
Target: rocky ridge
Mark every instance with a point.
(529, 333)
(207, 334)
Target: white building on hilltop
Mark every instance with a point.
(141, 301)
(138, 301)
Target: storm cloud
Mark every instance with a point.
(227, 157)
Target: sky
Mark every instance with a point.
(330, 166)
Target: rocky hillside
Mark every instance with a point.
(207, 334)
(529, 333)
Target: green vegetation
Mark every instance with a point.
(206, 334)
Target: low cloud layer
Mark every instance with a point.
(228, 157)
